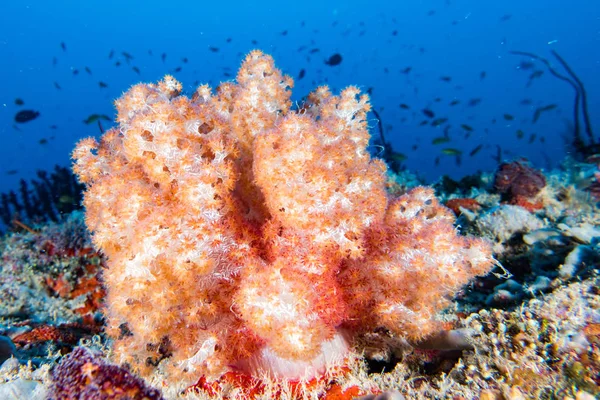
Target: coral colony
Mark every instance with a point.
(242, 234)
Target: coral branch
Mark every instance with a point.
(243, 234)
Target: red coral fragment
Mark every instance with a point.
(530, 206)
(65, 333)
(45, 333)
(517, 178)
(252, 388)
(466, 203)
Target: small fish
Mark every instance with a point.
(534, 75)
(404, 106)
(102, 84)
(184, 60)
(136, 69)
(454, 102)
(54, 61)
(430, 13)
(482, 75)
(538, 112)
(446, 78)
(213, 49)
(466, 127)
(301, 74)
(26, 116)
(428, 113)
(228, 40)
(532, 138)
(447, 130)
(505, 17)
(525, 65)
(526, 102)
(66, 199)
(440, 140)
(437, 161)
(449, 151)
(520, 134)
(63, 46)
(508, 117)
(254, 42)
(398, 157)
(475, 150)
(313, 51)
(284, 33)
(53, 127)
(438, 121)
(458, 160)
(127, 56)
(163, 57)
(474, 102)
(118, 64)
(424, 122)
(95, 117)
(75, 71)
(88, 70)
(43, 141)
(406, 70)
(19, 101)
(334, 60)
(111, 54)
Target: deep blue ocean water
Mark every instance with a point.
(423, 54)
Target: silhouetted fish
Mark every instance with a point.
(474, 102)
(475, 150)
(26, 116)
(335, 59)
(428, 113)
(95, 117)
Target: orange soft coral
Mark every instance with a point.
(243, 234)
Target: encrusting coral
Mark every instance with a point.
(241, 233)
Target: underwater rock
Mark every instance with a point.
(7, 348)
(501, 223)
(517, 179)
(21, 389)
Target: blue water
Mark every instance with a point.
(377, 40)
